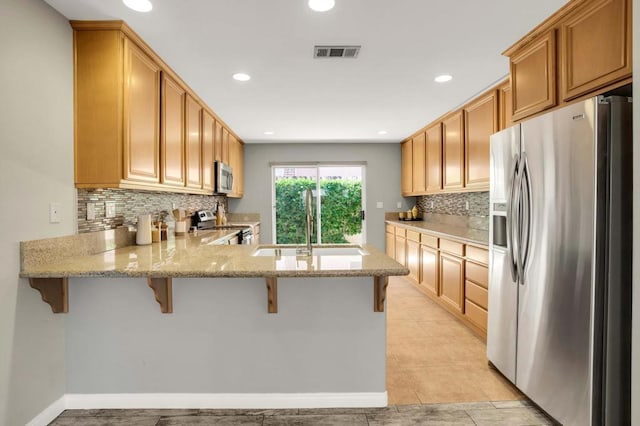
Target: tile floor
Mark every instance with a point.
(433, 357)
(437, 374)
(507, 413)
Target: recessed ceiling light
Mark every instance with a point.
(443, 78)
(269, 133)
(138, 5)
(321, 5)
(240, 76)
(382, 132)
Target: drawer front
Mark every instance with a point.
(429, 240)
(400, 232)
(478, 255)
(478, 274)
(476, 294)
(413, 236)
(390, 229)
(452, 247)
(475, 314)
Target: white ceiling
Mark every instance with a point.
(405, 44)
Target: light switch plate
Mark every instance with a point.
(110, 209)
(379, 205)
(399, 204)
(54, 212)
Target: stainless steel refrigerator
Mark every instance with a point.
(560, 239)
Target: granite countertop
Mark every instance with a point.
(468, 235)
(199, 256)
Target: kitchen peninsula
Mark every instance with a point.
(245, 331)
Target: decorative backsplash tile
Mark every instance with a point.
(454, 204)
(131, 203)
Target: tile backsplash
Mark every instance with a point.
(131, 203)
(454, 204)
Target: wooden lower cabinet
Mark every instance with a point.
(429, 269)
(401, 252)
(452, 273)
(413, 260)
(476, 285)
(390, 240)
(452, 280)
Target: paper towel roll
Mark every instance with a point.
(143, 233)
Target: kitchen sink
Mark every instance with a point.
(317, 251)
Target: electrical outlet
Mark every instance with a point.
(91, 211)
(109, 209)
(379, 205)
(54, 212)
(399, 204)
(466, 205)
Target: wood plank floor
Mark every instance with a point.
(432, 357)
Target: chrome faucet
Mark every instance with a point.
(309, 225)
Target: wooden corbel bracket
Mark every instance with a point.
(163, 292)
(53, 291)
(380, 284)
(272, 294)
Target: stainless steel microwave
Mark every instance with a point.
(224, 178)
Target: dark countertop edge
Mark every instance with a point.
(408, 224)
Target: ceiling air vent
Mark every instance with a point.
(336, 51)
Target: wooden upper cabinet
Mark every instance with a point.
(141, 118)
(418, 168)
(236, 153)
(434, 158)
(407, 167)
(116, 111)
(193, 152)
(481, 121)
(134, 126)
(172, 141)
(224, 156)
(595, 46)
(533, 76)
(217, 147)
(453, 151)
(208, 146)
(505, 106)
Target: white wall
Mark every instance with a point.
(382, 179)
(220, 338)
(635, 360)
(36, 167)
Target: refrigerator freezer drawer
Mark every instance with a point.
(478, 274)
(476, 314)
(476, 294)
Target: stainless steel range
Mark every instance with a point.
(206, 219)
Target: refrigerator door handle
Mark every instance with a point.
(512, 221)
(525, 185)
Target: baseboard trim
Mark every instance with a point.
(229, 400)
(47, 415)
